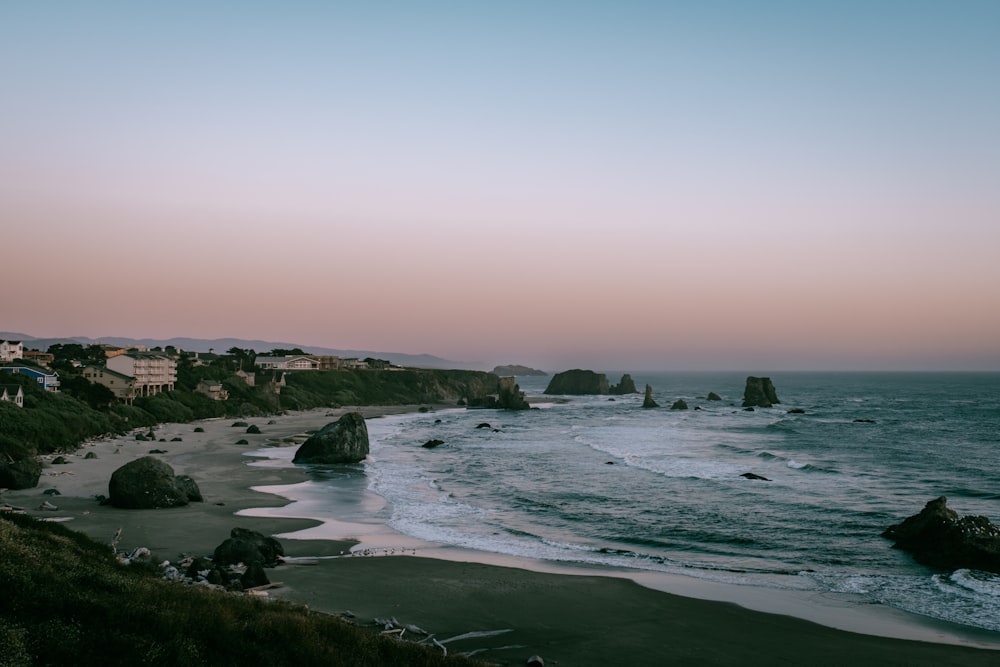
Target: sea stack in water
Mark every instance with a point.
(149, 483)
(939, 537)
(759, 393)
(578, 382)
(343, 441)
(625, 386)
(647, 400)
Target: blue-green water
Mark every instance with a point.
(607, 482)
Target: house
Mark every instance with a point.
(213, 389)
(121, 385)
(153, 373)
(12, 393)
(11, 350)
(296, 363)
(49, 381)
(38, 357)
(249, 378)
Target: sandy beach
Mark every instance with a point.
(569, 616)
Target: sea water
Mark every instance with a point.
(602, 481)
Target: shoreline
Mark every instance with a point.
(457, 591)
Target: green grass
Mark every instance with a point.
(66, 601)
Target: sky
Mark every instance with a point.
(708, 185)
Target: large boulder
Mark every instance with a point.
(149, 483)
(248, 547)
(342, 441)
(625, 386)
(939, 537)
(21, 474)
(759, 393)
(578, 382)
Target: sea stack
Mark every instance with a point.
(578, 382)
(647, 400)
(759, 393)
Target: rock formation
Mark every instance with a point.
(578, 382)
(342, 441)
(149, 483)
(759, 392)
(508, 397)
(517, 369)
(21, 474)
(625, 386)
(647, 400)
(712, 396)
(679, 404)
(247, 547)
(939, 537)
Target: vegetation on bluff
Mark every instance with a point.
(53, 422)
(67, 601)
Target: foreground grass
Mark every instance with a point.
(65, 600)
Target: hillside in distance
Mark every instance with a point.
(220, 345)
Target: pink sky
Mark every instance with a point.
(646, 189)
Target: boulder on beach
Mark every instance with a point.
(149, 483)
(578, 382)
(248, 547)
(21, 474)
(939, 537)
(343, 441)
(760, 393)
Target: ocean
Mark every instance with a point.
(598, 480)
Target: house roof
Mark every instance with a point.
(105, 369)
(10, 388)
(10, 342)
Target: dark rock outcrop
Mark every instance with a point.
(647, 400)
(679, 404)
(578, 382)
(431, 444)
(149, 483)
(248, 547)
(939, 537)
(753, 475)
(625, 386)
(517, 369)
(510, 396)
(712, 396)
(759, 392)
(21, 474)
(343, 441)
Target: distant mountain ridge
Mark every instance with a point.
(220, 345)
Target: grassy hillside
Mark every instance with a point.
(67, 601)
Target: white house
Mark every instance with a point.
(296, 363)
(13, 393)
(11, 350)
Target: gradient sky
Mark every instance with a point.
(627, 185)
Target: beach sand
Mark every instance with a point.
(586, 618)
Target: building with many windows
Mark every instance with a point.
(153, 373)
(121, 385)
